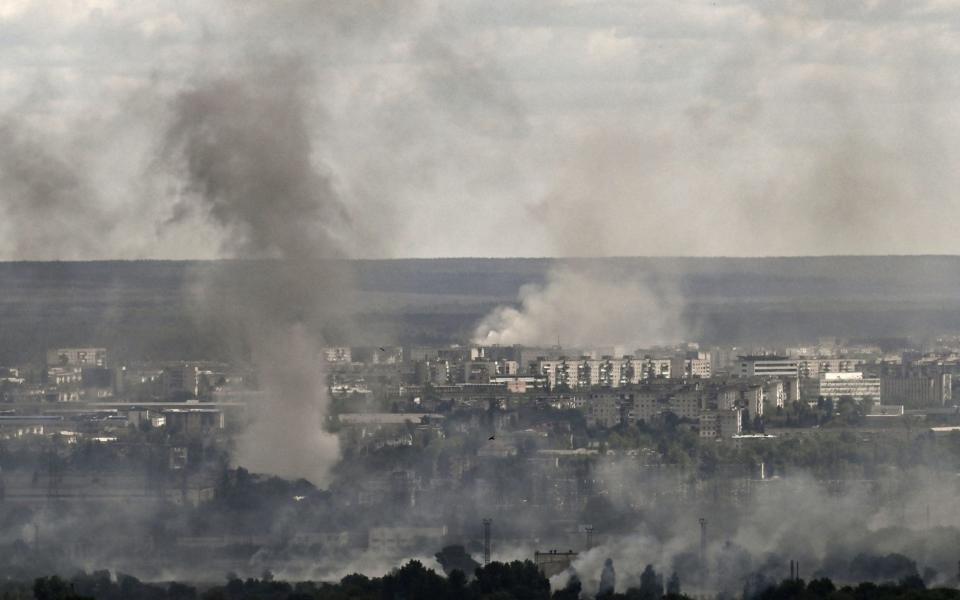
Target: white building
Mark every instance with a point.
(77, 357)
(833, 386)
(816, 366)
(608, 371)
(337, 354)
(767, 366)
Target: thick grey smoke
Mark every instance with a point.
(228, 117)
(250, 155)
(44, 194)
(248, 163)
(243, 148)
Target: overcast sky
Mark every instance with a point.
(495, 127)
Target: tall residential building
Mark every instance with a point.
(587, 372)
(649, 404)
(753, 400)
(607, 409)
(695, 365)
(721, 423)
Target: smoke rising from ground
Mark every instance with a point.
(833, 529)
(227, 146)
(581, 308)
(243, 148)
(771, 150)
(309, 127)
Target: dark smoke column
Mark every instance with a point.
(243, 151)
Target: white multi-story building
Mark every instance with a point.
(337, 354)
(767, 366)
(691, 367)
(612, 372)
(77, 357)
(833, 386)
(814, 367)
(656, 368)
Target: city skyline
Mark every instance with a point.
(246, 352)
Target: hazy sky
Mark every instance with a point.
(492, 128)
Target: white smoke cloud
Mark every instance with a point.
(795, 518)
(580, 307)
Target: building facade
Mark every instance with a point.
(767, 366)
(834, 386)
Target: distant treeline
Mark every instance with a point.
(518, 580)
(142, 309)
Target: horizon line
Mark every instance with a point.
(487, 258)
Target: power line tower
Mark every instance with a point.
(486, 540)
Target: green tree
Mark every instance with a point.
(521, 579)
(413, 580)
(54, 588)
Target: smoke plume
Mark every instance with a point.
(581, 307)
(244, 150)
(44, 195)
